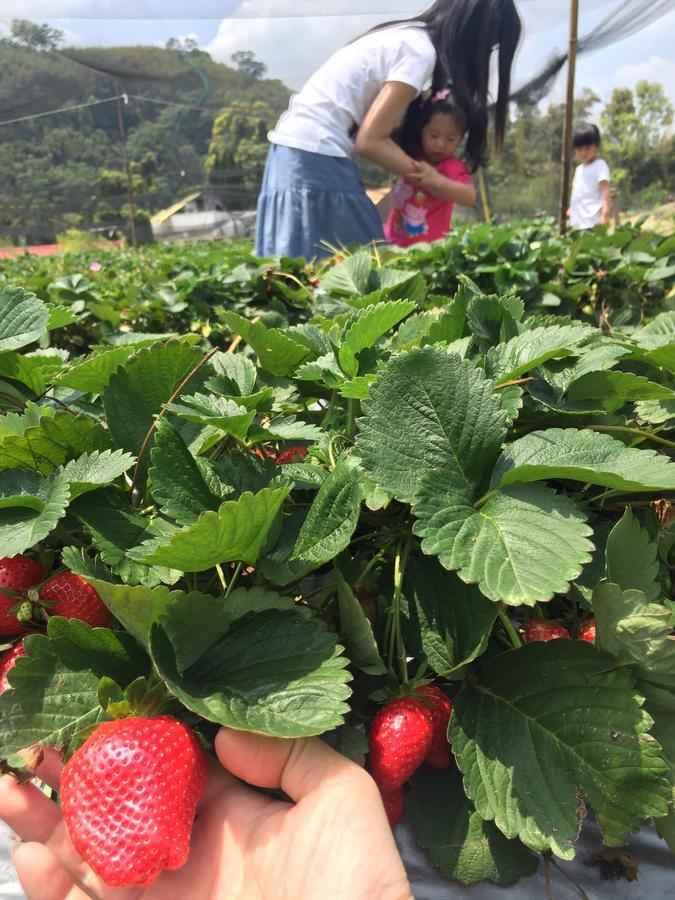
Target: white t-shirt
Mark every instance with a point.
(338, 95)
(586, 199)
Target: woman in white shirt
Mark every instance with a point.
(312, 197)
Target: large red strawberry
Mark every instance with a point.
(74, 598)
(398, 742)
(536, 630)
(587, 630)
(294, 454)
(7, 660)
(439, 708)
(129, 795)
(394, 804)
(18, 573)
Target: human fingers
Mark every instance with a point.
(26, 810)
(50, 768)
(297, 766)
(42, 876)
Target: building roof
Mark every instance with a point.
(165, 214)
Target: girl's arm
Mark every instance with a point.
(373, 139)
(606, 196)
(443, 188)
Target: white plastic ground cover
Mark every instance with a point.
(655, 873)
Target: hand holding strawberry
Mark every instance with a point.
(241, 837)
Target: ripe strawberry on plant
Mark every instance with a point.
(74, 598)
(394, 804)
(439, 708)
(587, 630)
(536, 630)
(129, 795)
(18, 573)
(7, 660)
(294, 454)
(399, 741)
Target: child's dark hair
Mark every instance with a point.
(585, 135)
(464, 114)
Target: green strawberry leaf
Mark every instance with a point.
(92, 470)
(92, 373)
(138, 608)
(54, 692)
(278, 351)
(429, 411)
(137, 391)
(631, 558)
(447, 622)
(178, 485)
(35, 370)
(52, 442)
(207, 409)
(356, 632)
(236, 531)
(30, 508)
(23, 318)
(333, 515)
(274, 672)
(530, 349)
(521, 546)
(633, 630)
(547, 724)
(459, 843)
(609, 385)
(586, 456)
(367, 326)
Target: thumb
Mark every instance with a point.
(296, 765)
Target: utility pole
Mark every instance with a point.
(122, 100)
(569, 114)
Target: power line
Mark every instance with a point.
(53, 112)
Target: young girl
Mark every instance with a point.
(432, 131)
(311, 193)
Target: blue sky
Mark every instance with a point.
(292, 45)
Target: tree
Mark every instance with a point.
(182, 44)
(239, 141)
(634, 128)
(245, 62)
(39, 37)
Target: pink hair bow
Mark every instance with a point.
(443, 94)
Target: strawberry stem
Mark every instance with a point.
(395, 636)
(233, 579)
(509, 629)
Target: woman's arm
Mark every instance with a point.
(606, 202)
(373, 139)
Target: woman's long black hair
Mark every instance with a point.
(464, 34)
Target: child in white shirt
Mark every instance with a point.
(590, 202)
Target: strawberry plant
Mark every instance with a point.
(358, 512)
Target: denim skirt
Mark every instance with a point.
(307, 198)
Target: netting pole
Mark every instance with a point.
(122, 98)
(569, 114)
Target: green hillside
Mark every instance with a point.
(67, 170)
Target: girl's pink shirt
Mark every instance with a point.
(417, 216)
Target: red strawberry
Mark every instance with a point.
(74, 598)
(292, 455)
(587, 630)
(18, 573)
(394, 803)
(439, 708)
(129, 795)
(7, 660)
(536, 630)
(398, 743)
(265, 453)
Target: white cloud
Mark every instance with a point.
(290, 49)
(656, 68)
